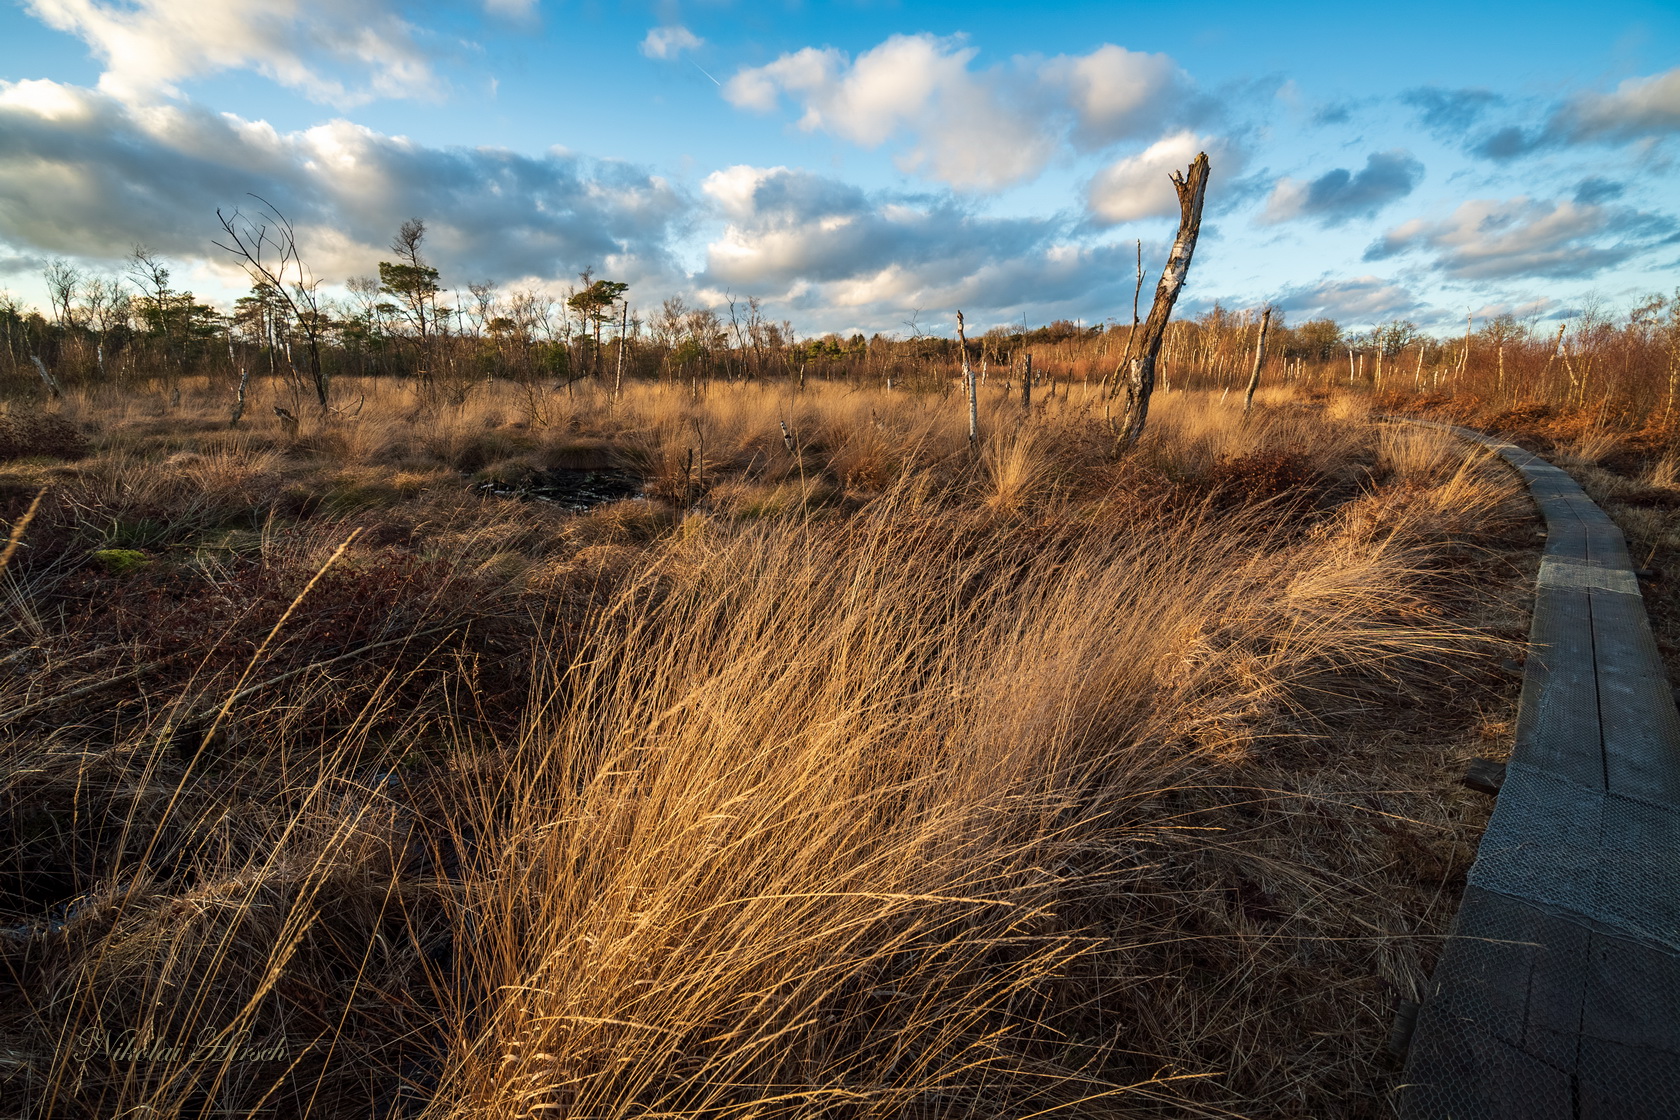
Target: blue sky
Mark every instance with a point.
(855, 165)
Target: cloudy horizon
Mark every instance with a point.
(863, 166)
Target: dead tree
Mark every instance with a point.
(244, 372)
(54, 389)
(268, 249)
(1259, 358)
(623, 334)
(968, 384)
(1140, 380)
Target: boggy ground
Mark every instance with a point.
(860, 777)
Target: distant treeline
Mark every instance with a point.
(140, 329)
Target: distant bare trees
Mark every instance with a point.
(64, 284)
(267, 246)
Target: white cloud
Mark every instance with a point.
(1357, 301)
(1140, 186)
(1638, 107)
(1491, 239)
(973, 129)
(1118, 94)
(969, 130)
(669, 42)
(83, 174)
(341, 52)
(1638, 110)
(835, 254)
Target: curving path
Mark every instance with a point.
(1558, 993)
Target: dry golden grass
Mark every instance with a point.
(872, 778)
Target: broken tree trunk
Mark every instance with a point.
(1259, 358)
(1140, 381)
(244, 383)
(623, 333)
(54, 390)
(968, 384)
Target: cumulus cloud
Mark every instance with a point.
(1117, 94)
(972, 131)
(1486, 239)
(1639, 109)
(968, 128)
(1522, 307)
(1355, 301)
(341, 52)
(670, 41)
(83, 174)
(837, 254)
(1140, 186)
(1340, 195)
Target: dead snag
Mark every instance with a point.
(1112, 381)
(1259, 357)
(267, 248)
(968, 384)
(54, 389)
(1140, 381)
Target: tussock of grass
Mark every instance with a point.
(873, 778)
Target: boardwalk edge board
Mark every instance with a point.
(1558, 991)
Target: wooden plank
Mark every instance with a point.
(1618, 1082)
(1557, 716)
(1484, 776)
(1557, 988)
(1633, 997)
(1478, 1077)
(1483, 1046)
(1640, 725)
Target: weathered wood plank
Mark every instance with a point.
(1639, 723)
(1557, 716)
(1489, 1040)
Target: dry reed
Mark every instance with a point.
(874, 782)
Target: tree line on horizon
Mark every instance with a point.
(139, 328)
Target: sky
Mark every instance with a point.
(867, 166)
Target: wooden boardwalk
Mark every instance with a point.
(1558, 992)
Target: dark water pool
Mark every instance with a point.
(576, 490)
